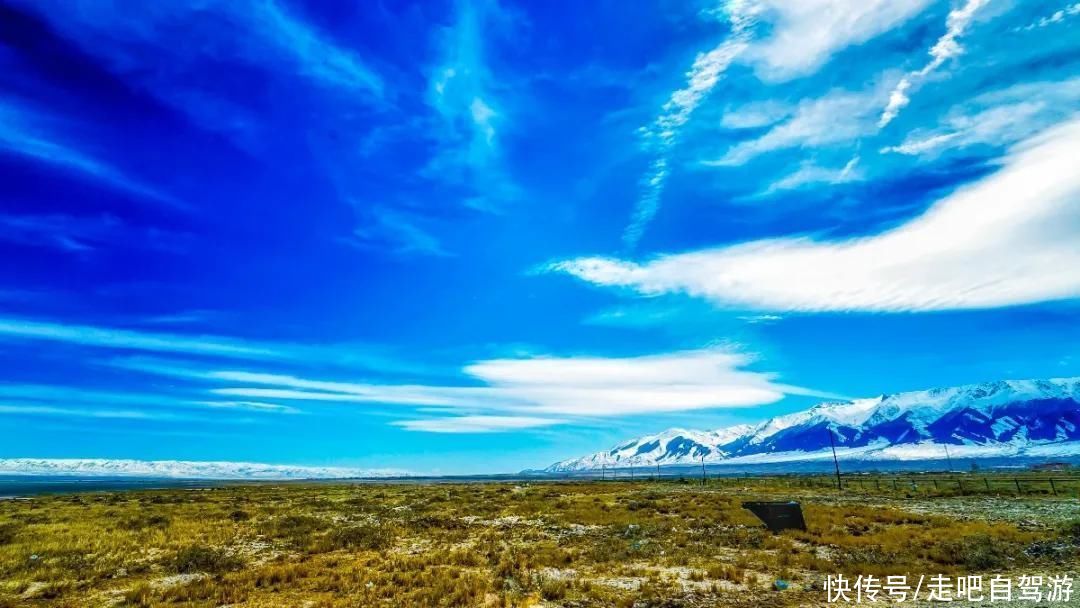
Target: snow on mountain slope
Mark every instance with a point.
(178, 469)
(994, 418)
(672, 446)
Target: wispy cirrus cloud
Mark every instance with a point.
(93, 399)
(995, 126)
(806, 34)
(107, 337)
(15, 329)
(947, 47)
(32, 409)
(838, 117)
(315, 55)
(996, 118)
(476, 424)
(802, 36)
(755, 115)
(470, 107)
(260, 32)
(810, 173)
(167, 51)
(82, 234)
(530, 391)
(1006, 240)
(662, 135)
(387, 229)
(1056, 17)
(32, 136)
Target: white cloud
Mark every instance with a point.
(838, 117)
(810, 173)
(1056, 17)
(918, 145)
(464, 94)
(25, 329)
(803, 36)
(944, 49)
(35, 409)
(318, 57)
(476, 424)
(755, 115)
(548, 388)
(995, 126)
(662, 135)
(997, 118)
(1005, 240)
(761, 319)
(806, 33)
(255, 406)
(91, 401)
(112, 338)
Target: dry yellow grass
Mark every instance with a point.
(557, 544)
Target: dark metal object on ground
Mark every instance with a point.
(778, 515)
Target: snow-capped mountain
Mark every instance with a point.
(1036, 417)
(673, 446)
(179, 469)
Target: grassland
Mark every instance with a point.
(626, 544)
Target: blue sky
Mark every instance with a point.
(482, 236)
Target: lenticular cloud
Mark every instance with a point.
(1006, 240)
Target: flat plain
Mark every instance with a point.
(624, 543)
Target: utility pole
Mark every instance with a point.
(703, 470)
(836, 463)
(947, 457)
(658, 471)
(603, 472)
(631, 472)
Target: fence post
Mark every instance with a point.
(960, 484)
(1018, 490)
(1053, 488)
(936, 485)
(986, 480)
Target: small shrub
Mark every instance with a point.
(1071, 530)
(298, 530)
(8, 532)
(210, 560)
(978, 553)
(361, 537)
(294, 526)
(553, 589)
(725, 572)
(142, 522)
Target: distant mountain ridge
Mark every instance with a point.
(178, 469)
(1009, 417)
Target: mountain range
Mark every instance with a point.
(178, 469)
(1009, 417)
